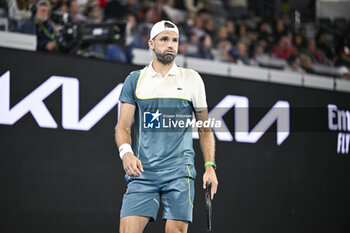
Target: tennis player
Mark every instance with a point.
(159, 163)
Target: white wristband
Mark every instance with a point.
(123, 149)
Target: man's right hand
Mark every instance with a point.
(132, 165)
(51, 46)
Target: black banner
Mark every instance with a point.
(279, 171)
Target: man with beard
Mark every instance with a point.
(160, 164)
(40, 26)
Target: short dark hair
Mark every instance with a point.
(168, 25)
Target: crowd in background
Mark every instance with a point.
(216, 30)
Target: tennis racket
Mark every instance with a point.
(208, 205)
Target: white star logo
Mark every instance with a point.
(156, 115)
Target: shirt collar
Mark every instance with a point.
(153, 73)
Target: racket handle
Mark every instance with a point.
(208, 205)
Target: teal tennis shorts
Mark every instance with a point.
(173, 187)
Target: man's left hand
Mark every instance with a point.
(210, 176)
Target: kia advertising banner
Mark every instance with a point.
(282, 152)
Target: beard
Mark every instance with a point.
(42, 18)
(165, 59)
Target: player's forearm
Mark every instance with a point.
(207, 142)
(122, 135)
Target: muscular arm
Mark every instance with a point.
(207, 143)
(123, 135)
(206, 137)
(123, 128)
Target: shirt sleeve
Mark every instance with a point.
(199, 100)
(127, 93)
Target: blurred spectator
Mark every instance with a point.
(202, 14)
(224, 48)
(19, 10)
(175, 15)
(193, 42)
(302, 33)
(183, 46)
(240, 54)
(40, 25)
(221, 36)
(131, 29)
(258, 55)
(114, 10)
(243, 36)
(61, 8)
(204, 47)
(93, 12)
(344, 52)
(323, 46)
(133, 6)
(102, 3)
(197, 29)
(246, 21)
(259, 51)
(298, 43)
(148, 15)
(231, 32)
(282, 49)
(294, 64)
(140, 41)
(248, 34)
(265, 39)
(159, 11)
(193, 39)
(209, 27)
(189, 21)
(316, 56)
(253, 36)
(279, 30)
(59, 16)
(286, 21)
(18, 13)
(148, 20)
(292, 49)
(74, 12)
(306, 63)
(54, 3)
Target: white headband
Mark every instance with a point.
(160, 27)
